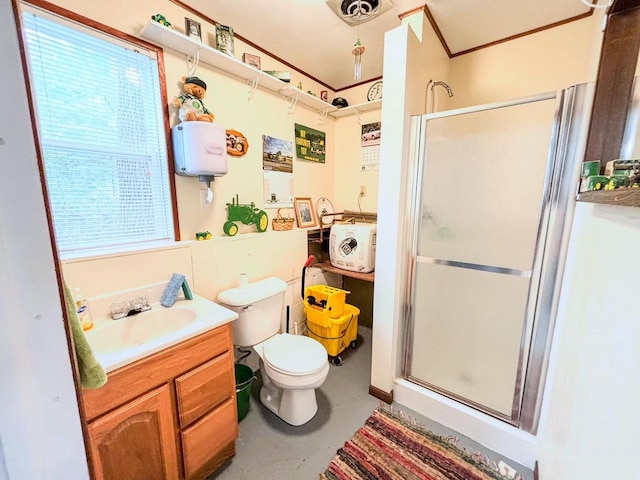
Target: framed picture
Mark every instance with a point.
(224, 39)
(192, 29)
(252, 60)
(304, 212)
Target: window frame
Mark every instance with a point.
(117, 35)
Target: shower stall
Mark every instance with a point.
(490, 212)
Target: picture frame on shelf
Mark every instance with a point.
(192, 29)
(224, 39)
(253, 60)
(305, 215)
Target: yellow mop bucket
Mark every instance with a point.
(335, 334)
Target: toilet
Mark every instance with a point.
(292, 366)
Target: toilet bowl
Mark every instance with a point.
(292, 366)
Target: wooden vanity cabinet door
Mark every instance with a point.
(136, 441)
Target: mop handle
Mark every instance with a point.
(306, 264)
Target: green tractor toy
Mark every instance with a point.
(247, 214)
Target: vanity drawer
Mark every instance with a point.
(205, 387)
(209, 442)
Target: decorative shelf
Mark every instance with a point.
(629, 197)
(360, 107)
(307, 99)
(169, 38)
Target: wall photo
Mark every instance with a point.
(305, 215)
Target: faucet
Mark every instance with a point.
(129, 307)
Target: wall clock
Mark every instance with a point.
(375, 91)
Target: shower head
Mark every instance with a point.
(442, 84)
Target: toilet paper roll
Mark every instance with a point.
(243, 280)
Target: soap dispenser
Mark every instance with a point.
(82, 309)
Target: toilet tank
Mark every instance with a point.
(259, 308)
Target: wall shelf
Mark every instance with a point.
(629, 197)
(353, 109)
(169, 38)
(307, 99)
(327, 267)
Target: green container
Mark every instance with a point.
(244, 377)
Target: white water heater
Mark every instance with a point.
(353, 246)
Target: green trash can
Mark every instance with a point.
(244, 377)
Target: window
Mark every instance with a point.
(102, 133)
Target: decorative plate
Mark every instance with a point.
(237, 143)
(324, 206)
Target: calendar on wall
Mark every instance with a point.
(278, 189)
(370, 158)
(370, 142)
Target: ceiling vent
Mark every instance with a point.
(354, 12)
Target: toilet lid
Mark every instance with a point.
(295, 354)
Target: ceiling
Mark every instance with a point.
(309, 36)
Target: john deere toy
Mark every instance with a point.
(161, 20)
(247, 214)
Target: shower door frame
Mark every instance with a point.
(566, 147)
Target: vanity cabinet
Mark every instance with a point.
(143, 430)
(168, 416)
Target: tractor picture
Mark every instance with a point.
(247, 214)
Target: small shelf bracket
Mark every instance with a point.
(322, 116)
(292, 101)
(192, 62)
(358, 114)
(253, 85)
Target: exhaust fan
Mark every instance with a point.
(353, 12)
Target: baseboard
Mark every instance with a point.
(386, 397)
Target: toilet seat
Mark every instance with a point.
(294, 354)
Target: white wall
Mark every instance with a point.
(40, 434)
(549, 60)
(407, 63)
(591, 414)
(348, 175)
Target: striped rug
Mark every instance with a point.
(391, 446)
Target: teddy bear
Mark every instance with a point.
(190, 102)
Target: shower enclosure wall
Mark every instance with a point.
(490, 213)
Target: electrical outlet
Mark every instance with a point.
(363, 190)
(203, 198)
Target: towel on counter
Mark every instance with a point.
(91, 373)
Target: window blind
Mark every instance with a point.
(102, 134)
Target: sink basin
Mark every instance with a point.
(116, 343)
(138, 329)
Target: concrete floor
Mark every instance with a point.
(269, 448)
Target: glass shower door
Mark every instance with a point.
(484, 177)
